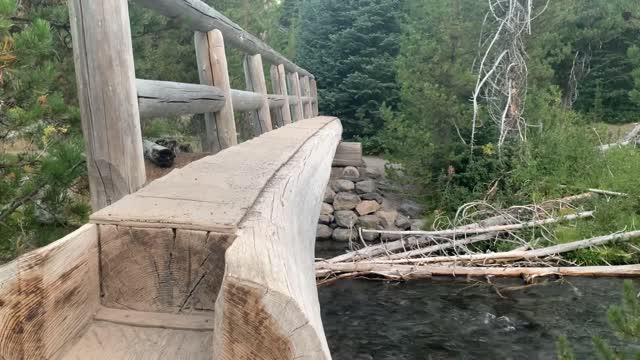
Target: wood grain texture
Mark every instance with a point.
(348, 154)
(165, 98)
(213, 193)
(211, 56)
(306, 91)
(279, 84)
(204, 18)
(256, 82)
(109, 341)
(161, 270)
(191, 321)
(298, 107)
(314, 95)
(268, 306)
(49, 296)
(105, 76)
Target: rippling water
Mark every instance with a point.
(451, 319)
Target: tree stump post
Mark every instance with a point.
(279, 82)
(256, 82)
(294, 82)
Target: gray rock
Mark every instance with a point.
(402, 222)
(350, 172)
(323, 232)
(326, 209)
(370, 236)
(391, 237)
(411, 209)
(367, 207)
(343, 186)
(366, 186)
(370, 173)
(417, 225)
(369, 222)
(387, 218)
(345, 218)
(344, 234)
(329, 195)
(373, 196)
(325, 219)
(346, 201)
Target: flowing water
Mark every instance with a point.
(458, 319)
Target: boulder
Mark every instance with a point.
(326, 209)
(344, 234)
(343, 185)
(369, 222)
(417, 225)
(323, 232)
(370, 236)
(366, 186)
(387, 218)
(329, 195)
(402, 222)
(350, 172)
(367, 207)
(410, 209)
(345, 201)
(372, 196)
(345, 218)
(373, 174)
(325, 219)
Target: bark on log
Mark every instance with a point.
(158, 154)
(409, 272)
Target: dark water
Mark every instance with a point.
(447, 319)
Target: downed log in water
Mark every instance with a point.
(325, 270)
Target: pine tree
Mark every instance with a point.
(351, 46)
(41, 164)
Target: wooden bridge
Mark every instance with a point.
(214, 260)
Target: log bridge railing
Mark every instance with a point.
(212, 261)
(112, 100)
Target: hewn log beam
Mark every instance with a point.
(165, 98)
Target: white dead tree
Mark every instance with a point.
(502, 71)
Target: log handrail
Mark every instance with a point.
(108, 88)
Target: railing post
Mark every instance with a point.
(279, 81)
(314, 95)
(294, 81)
(306, 89)
(212, 68)
(103, 57)
(254, 77)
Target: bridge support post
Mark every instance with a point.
(212, 68)
(254, 76)
(306, 90)
(294, 82)
(314, 94)
(279, 81)
(103, 57)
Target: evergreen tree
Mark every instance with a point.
(351, 46)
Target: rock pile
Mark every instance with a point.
(352, 200)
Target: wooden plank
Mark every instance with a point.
(306, 90)
(48, 296)
(161, 270)
(314, 95)
(108, 341)
(254, 77)
(213, 193)
(279, 83)
(108, 102)
(203, 18)
(348, 154)
(268, 303)
(193, 321)
(220, 126)
(165, 98)
(294, 83)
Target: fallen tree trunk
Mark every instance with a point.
(630, 139)
(409, 272)
(519, 255)
(158, 154)
(451, 244)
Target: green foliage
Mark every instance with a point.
(42, 163)
(351, 46)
